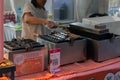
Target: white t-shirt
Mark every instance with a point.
(28, 30)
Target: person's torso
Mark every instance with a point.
(30, 29)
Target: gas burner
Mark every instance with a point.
(24, 44)
(59, 37)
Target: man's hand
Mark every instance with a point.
(51, 24)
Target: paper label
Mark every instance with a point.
(54, 60)
(29, 62)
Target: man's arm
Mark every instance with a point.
(28, 18)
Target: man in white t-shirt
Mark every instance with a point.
(34, 18)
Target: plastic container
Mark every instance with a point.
(63, 11)
(19, 13)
